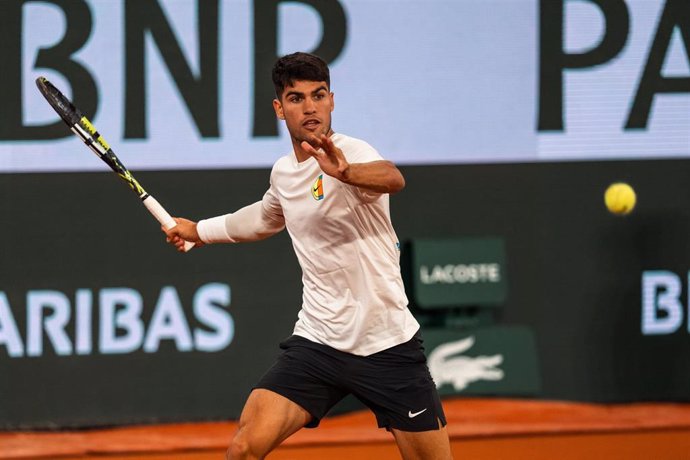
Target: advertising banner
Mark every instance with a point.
(102, 323)
(458, 272)
(185, 84)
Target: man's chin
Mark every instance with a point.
(312, 137)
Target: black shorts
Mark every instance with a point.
(394, 383)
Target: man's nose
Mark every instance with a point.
(309, 106)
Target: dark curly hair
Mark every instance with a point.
(299, 66)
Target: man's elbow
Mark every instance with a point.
(397, 183)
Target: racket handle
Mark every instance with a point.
(163, 217)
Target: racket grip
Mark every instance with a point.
(163, 217)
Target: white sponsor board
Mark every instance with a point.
(424, 82)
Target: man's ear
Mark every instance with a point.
(278, 107)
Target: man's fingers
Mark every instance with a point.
(327, 143)
(178, 243)
(329, 147)
(309, 148)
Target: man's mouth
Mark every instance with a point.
(311, 124)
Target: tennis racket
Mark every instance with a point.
(82, 127)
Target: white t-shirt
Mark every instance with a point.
(353, 297)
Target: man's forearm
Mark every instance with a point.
(247, 224)
(380, 176)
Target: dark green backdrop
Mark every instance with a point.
(574, 276)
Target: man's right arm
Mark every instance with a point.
(251, 223)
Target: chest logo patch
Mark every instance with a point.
(317, 188)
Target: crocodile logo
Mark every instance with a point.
(447, 365)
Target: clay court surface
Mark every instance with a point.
(479, 429)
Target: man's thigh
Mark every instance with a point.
(268, 419)
(423, 445)
(308, 375)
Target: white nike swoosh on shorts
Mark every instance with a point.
(413, 415)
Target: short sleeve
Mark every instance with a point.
(271, 204)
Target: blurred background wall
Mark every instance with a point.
(508, 119)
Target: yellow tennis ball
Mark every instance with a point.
(620, 198)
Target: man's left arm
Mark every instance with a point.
(380, 176)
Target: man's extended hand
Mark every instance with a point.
(330, 158)
(380, 176)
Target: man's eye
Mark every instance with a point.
(294, 99)
(318, 97)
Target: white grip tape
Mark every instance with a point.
(163, 217)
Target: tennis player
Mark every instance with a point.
(354, 333)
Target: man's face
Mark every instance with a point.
(306, 108)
